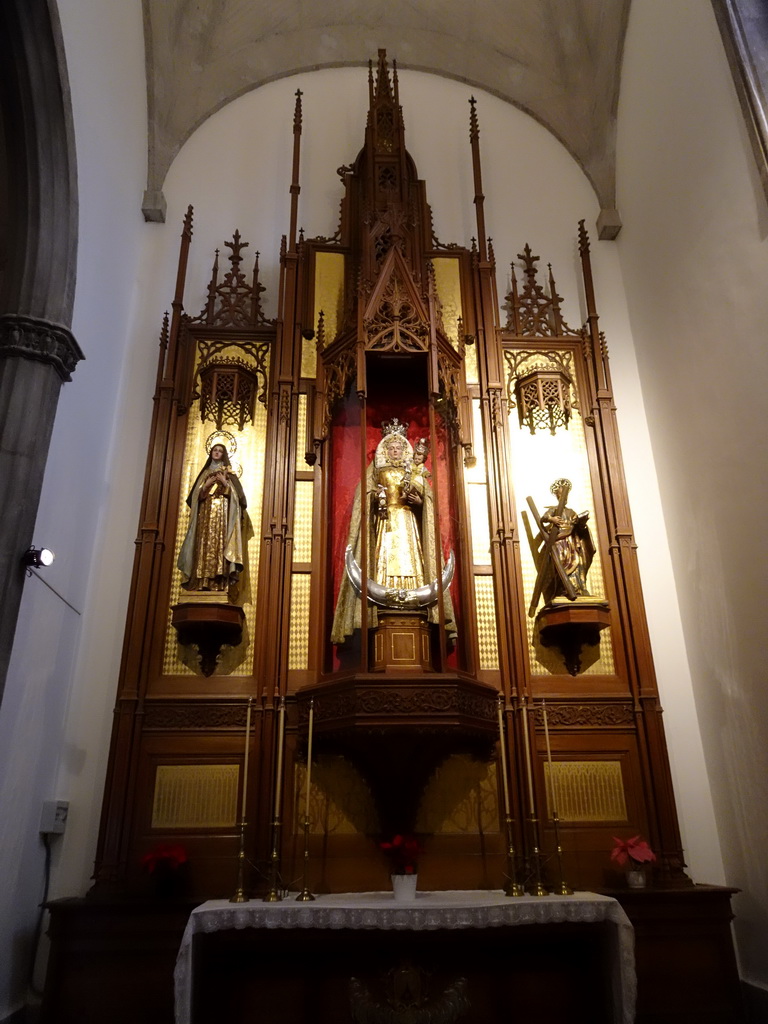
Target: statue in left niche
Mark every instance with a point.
(211, 558)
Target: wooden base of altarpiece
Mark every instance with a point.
(112, 962)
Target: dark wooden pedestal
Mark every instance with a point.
(684, 955)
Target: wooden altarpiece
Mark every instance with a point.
(384, 321)
(257, 634)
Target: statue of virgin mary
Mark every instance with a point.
(401, 528)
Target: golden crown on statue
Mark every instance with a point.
(394, 426)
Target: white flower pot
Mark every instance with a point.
(636, 878)
(404, 887)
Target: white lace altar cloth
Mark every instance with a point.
(429, 911)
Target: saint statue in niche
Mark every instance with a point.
(401, 546)
(211, 557)
(568, 547)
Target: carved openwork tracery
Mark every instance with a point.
(228, 386)
(542, 383)
(228, 391)
(397, 325)
(234, 302)
(532, 313)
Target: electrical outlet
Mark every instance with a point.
(53, 819)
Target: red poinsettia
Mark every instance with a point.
(635, 850)
(403, 852)
(165, 857)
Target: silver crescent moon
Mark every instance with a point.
(421, 597)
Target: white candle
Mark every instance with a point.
(279, 769)
(528, 760)
(503, 755)
(309, 755)
(549, 758)
(245, 758)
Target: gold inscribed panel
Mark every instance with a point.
(329, 292)
(298, 639)
(302, 521)
(448, 285)
(537, 461)
(195, 796)
(487, 639)
(340, 802)
(250, 456)
(460, 798)
(585, 790)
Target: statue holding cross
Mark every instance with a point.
(566, 553)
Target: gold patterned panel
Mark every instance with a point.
(476, 474)
(301, 434)
(487, 637)
(470, 364)
(308, 359)
(478, 515)
(340, 802)
(298, 639)
(195, 796)
(250, 455)
(448, 285)
(585, 790)
(329, 292)
(302, 521)
(460, 798)
(537, 461)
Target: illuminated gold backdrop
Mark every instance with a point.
(250, 455)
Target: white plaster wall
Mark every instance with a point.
(60, 688)
(235, 170)
(694, 257)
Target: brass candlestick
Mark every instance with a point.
(512, 887)
(240, 896)
(537, 888)
(273, 893)
(562, 889)
(306, 893)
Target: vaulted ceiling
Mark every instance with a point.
(559, 60)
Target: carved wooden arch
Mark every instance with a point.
(396, 318)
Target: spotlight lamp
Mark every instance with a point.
(38, 558)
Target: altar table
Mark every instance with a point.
(430, 911)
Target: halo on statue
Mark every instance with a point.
(222, 437)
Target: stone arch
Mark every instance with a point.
(39, 219)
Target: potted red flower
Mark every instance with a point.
(166, 863)
(633, 854)
(403, 852)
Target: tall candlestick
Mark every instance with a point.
(279, 767)
(310, 729)
(503, 754)
(245, 757)
(528, 763)
(563, 888)
(306, 893)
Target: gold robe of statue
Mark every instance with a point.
(401, 519)
(211, 557)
